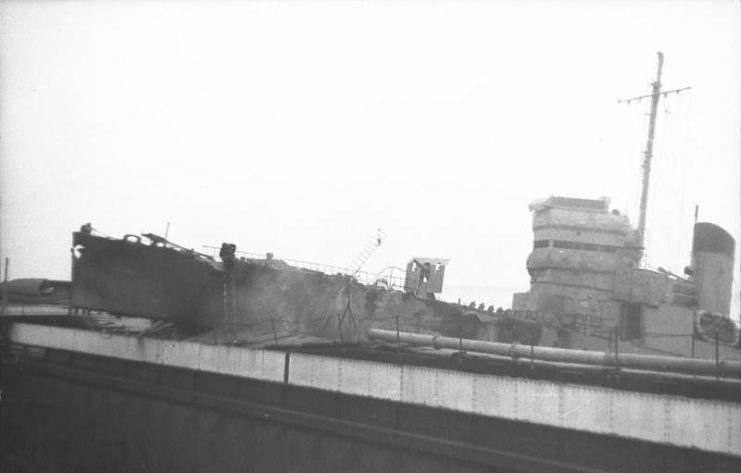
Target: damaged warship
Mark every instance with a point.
(248, 363)
(287, 368)
(247, 300)
(588, 291)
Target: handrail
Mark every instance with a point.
(395, 282)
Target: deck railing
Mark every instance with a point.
(393, 277)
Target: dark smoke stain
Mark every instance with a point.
(371, 300)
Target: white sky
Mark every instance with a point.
(299, 127)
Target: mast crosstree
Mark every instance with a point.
(655, 95)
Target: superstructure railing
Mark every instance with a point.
(392, 277)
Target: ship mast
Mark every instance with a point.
(648, 154)
(656, 93)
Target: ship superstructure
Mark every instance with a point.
(587, 284)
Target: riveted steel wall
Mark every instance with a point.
(174, 406)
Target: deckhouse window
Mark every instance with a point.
(540, 244)
(572, 245)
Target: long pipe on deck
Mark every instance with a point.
(726, 368)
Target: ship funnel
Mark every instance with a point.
(712, 263)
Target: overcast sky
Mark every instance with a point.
(300, 127)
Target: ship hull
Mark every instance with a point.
(249, 298)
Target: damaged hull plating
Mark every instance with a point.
(125, 277)
(246, 297)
